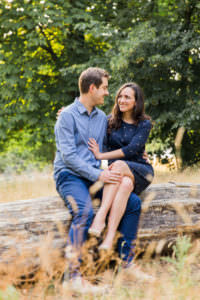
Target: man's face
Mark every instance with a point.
(98, 94)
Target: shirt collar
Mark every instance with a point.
(82, 109)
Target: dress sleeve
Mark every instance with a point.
(138, 141)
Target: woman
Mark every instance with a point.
(128, 131)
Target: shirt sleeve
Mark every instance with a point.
(138, 141)
(65, 132)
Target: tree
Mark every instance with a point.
(44, 45)
(161, 52)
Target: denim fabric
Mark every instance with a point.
(128, 228)
(75, 193)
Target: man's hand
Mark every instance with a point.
(110, 167)
(146, 157)
(108, 176)
(59, 112)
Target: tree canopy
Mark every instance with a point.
(44, 46)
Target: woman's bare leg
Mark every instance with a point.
(117, 210)
(109, 194)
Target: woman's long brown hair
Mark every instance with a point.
(115, 120)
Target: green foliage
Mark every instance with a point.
(180, 253)
(44, 45)
(181, 265)
(161, 53)
(38, 40)
(21, 155)
(190, 151)
(9, 294)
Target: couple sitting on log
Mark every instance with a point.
(84, 137)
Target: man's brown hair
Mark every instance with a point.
(91, 76)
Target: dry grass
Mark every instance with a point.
(26, 186)
(36, 185)
(163, 175)
(177, 278)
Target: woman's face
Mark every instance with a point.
(126, 100)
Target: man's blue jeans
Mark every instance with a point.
(76, 189)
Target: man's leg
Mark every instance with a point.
(75, 192)
(128, 228)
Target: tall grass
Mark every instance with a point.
(177, 277)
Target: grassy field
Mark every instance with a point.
(35, 185)
(176, 277)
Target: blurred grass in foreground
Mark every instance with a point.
(176, 277)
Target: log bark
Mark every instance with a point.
(167, 210)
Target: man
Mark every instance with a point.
(76, 169)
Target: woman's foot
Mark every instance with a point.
(107, 244)
(105, 247)
(96, 232)
(97, 226)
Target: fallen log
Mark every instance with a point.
(167, 210)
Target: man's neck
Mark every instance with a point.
(87, 102)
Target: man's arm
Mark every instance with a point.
(65, 133)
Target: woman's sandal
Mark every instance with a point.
(105, 247)
(95, 232)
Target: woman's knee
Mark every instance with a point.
(119, 166)
(127, 183)
(122, 167)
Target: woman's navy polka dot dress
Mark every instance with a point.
(131, 139)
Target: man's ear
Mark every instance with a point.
(92, 87)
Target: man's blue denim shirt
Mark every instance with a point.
(73, 129)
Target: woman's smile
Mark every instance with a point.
(126, 100)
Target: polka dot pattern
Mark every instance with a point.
(131, 139)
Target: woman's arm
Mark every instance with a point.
(138, 141)
(94, 147)
(136, 144)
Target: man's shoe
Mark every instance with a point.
(82, 286)
(137, 273)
